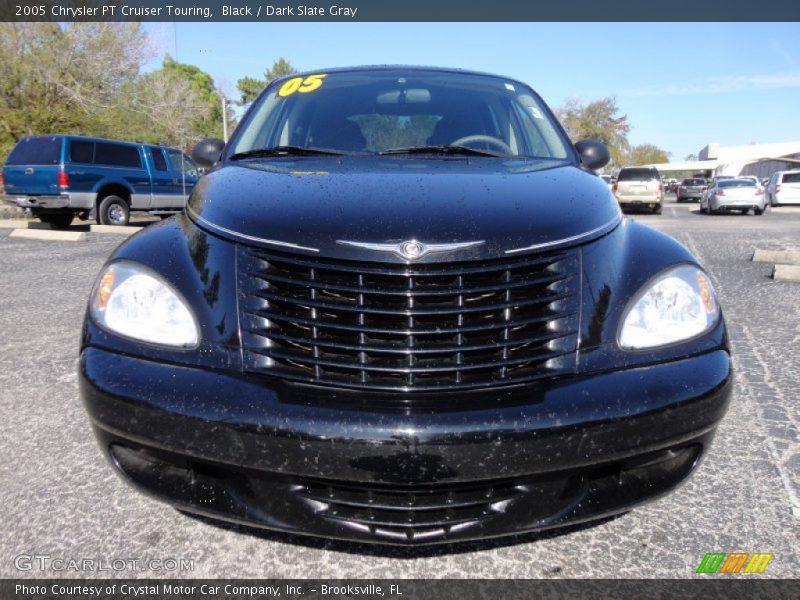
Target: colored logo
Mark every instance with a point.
(734, 562)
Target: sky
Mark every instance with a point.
(681, 85)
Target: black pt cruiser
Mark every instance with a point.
(401, 308)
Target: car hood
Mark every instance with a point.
(313, 205)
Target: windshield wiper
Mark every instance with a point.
(285, 151)
(442, 150)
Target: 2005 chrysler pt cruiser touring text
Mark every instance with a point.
(401, 308)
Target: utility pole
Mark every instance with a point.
(224, 117)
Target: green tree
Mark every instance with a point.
(250, 87)
(210, 123)
(160, 107)
(598, 120)
(62, 78)
(646, 154)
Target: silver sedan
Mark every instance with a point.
(738, 194)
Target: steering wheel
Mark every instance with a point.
(488, 139)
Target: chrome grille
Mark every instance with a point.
(419, 327)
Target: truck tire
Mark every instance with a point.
(57, 220)
(113, 210)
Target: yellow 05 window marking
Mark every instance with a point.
(304, 85)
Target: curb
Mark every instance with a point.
(49, 235)
(115, 229)
(788, 257)
(786, 273)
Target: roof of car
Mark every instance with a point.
(93, 138)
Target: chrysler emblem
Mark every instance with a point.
(411, 249)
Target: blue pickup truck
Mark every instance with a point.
(60, 177)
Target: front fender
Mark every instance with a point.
(614, 268)
(202, 269)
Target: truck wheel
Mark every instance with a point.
(657, 210)
(113, 210)
(57, 220)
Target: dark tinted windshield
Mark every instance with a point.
(375, 111)
(36, 151)
(693, 182)
(726, 183)
(637, 175)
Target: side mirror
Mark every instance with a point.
(207, 152)
(594, 154)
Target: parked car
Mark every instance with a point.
(783, 188)
(740, 194)
(60, 177)
(639, 187)
(691, 189)
(415, 315)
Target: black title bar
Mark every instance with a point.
(400, 10)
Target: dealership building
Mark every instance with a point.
(761, 160)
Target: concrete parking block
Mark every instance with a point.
(117, 229)
(39, 225)
(786, 273)
(785, 257)
(47, 234)
(13, 223)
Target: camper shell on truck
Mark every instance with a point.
(60, 177)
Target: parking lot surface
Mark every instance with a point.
(61, 499)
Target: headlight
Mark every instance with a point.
(677, 305)
(133, 301)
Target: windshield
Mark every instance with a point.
(637, 174)
(369, 112)
(694, 182)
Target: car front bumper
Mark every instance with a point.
(244, 450)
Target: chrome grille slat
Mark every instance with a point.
(395, 327)
(458, 348)
(411, 311)
(359, 289)
(411, 367)
(272, 315)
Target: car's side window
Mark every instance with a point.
(117, 155)
(179, 162)
(81, 151)
(158, 159)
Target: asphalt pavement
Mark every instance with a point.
(61, 500)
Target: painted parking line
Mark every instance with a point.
(49, 235)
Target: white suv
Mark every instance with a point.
(639, 187)
(784, 188)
